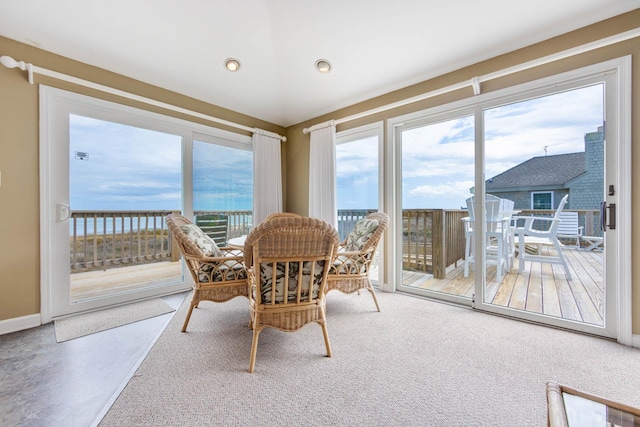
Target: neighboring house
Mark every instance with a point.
(541, 182)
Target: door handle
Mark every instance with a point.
(603, 216)
(64, 212)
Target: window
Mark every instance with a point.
(357, 174)
(222, 175)
(542, 200)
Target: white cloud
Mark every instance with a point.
(456, 188)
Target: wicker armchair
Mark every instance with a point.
(218, 273)
(287, 258)
(351, 268)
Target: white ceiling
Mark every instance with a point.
(375, 46)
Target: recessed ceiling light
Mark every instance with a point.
(323, 66)
(232, 64)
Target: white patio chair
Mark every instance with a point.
(548, 235)
(569, 227)
(496, 235)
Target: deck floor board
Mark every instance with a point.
(540, 288)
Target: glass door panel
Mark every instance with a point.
(437, 176)
(223, 187)
(123, 181)
(536, 152)
(357, 183)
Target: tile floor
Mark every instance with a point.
(73, 383)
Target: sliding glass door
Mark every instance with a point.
(472, 177)
(109, 176)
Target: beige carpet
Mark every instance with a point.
(416, 363)
(97, 321)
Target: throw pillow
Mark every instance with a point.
(362, 232)
(206, 244)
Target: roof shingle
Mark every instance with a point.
(540, 172)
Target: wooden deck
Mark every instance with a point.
(541, 288)
(102, 283)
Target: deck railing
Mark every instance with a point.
(104, 239)
(432, 239)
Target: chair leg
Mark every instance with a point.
(373, 294)
(499, 260)
(254, 349)
(563, 260)
(521, 253)
(186, 321)
(467, 254)
(325, 333)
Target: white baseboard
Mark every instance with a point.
(19, 323)
(635, 341)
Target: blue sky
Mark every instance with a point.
(222, 178)
(130, 168)
(357, 174)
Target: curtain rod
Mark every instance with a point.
(319, 126)
(476, 81)
(9, 62)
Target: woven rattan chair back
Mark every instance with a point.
(287, 259)
(351, 270)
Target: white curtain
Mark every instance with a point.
(267, 175)
(322, 173)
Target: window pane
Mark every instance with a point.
(223, 186)
(542, 201)
(222, 178)
(357, 174)
(537, 151)
(356, 181)
(123, 181)
(437, 179)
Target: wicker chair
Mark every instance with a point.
(281, 215)
(351, 268)
(218, 273)
(296, 249)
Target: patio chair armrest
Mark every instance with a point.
(530, 220)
